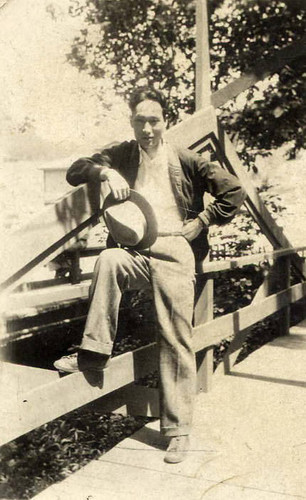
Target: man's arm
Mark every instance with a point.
(86, 170)
(99, 168)
(223, 186)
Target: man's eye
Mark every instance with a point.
(140, 121)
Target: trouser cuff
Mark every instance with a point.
(100, 347)
(182, 430)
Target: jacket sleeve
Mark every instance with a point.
(89, 169)
(225, 188)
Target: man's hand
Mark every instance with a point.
(118, 185)
(192, 228)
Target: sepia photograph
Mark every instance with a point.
(153, 246)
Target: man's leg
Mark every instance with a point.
(172, 272)
(116, 270)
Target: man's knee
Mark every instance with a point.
(125, 266)
(112, 257)
(113, 260)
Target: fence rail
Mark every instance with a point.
(65, 292)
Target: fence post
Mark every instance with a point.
(203, 312)
(283, 282)
(75, 270)
(203, 90)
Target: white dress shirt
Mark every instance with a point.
(153, 182)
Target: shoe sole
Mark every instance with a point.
(66, 370)
(176, 460)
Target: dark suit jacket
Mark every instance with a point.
(191, 176)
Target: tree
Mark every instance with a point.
(252, 32)
(133, 41)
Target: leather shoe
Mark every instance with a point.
(177, 449)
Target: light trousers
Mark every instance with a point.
(168, 268)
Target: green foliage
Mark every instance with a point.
(236, 288)
(140, 41)
(55, 450)
(131, 41)
(248, 35)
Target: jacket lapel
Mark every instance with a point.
(133, 164)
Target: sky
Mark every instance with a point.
(39, 87)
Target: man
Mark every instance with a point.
(173, 181)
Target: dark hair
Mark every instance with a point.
(142, 93)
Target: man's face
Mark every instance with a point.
(149, 125)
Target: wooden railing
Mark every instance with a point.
(117, 385)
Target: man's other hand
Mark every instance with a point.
(118, 185)
(192, 228)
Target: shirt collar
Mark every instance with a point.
(160, 156)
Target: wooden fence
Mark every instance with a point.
(57, 396)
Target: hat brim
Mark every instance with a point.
(148, 212)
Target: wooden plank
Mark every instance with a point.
(265, 68)
(204, 297)
(55, 184)
(143, 401)
(204, 312)
(47, 283)
(42, 404)
(18, 379)
(193, 128)
(213, 332)
(283, 282)
(233, 263)
(45, 296)
(265, 288)
(202, 79)
(132, 399)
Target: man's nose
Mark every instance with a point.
(147, 127)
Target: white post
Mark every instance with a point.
(204, 309)
(203, 90)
